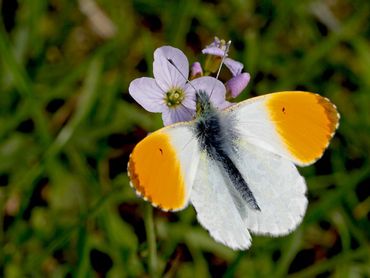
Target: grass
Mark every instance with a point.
(68, 125)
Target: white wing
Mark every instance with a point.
(277, 187)
(212, 198)
(275, 183)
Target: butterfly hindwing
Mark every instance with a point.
(162, 166)
(275, 183)
(277, 187)
(216, 209)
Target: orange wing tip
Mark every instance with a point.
(141, 194)
(331, 110)
(138, 193)
(155, 173)
(335, 117)
(305, 122)
(147, 199)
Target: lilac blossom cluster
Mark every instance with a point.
(170, 93)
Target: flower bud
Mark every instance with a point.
(196, 70)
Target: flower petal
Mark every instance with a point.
(178, 114)
(165, 74)
(147, 93)
(189, 100)
(213, 50)
(217, 47)
(234, 66)
(213, 87)
(237, 84)
(166, 118)
(196, 70)
(216, 42)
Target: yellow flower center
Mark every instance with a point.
(174, 97)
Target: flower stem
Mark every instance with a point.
(150, 234)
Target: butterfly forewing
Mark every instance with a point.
(296, 125)
(162, 166)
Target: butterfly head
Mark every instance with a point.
(203, 103)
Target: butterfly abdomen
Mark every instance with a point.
(215, 137)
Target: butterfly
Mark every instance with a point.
(237, 166)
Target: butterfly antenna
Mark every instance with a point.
(223, 58)
(221, 64)
(187, 80)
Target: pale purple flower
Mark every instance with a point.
(239, 80)
(218, 48)
(235, 67)
(169, 92)
(196, 70)
(237, 84)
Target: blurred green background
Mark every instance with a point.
(68, 125)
